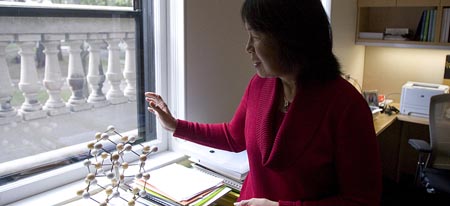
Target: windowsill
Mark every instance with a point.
(67, 193)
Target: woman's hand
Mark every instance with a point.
(158, 107)
(256, 201)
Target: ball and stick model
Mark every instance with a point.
(105, 163)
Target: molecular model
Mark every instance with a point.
(111, 165)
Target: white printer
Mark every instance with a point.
(415, 98)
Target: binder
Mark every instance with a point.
(420, 26)
(229, 164)
(445, 26)
(236, 185)
(426, 27)
(432, 26)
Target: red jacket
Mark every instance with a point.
(325, 151)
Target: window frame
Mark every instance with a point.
(167, 48)
(327, 5)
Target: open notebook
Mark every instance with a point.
(181, 183)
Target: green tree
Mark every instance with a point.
(107, 2)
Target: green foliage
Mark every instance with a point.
(127, 3)
(107, 2)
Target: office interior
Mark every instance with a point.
(215, 56)
(217, 71)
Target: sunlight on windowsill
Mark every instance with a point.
(66, 194)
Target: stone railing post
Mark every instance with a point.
(7, 112)
(129, 71)
(96, 76)
(114, 73)
(28, 84)
(53, 80)
(76, 77)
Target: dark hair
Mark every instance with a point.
(303, 34)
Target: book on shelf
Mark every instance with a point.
(432, 26)
(419, 29)
(422, 25)
(445, 25)
(396, 31)
(395, 37)
(371, 35)
(425, 28)
(177, 185)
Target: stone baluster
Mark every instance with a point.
(53, 80)
(130, 69)
(114, 73)
(28, 84)
(76, 77)
(96, 77)
(7, 112)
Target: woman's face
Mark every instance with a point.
(264, 53)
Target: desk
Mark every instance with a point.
(398, 158)
(382, 121)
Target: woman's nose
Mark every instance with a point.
(249, 47)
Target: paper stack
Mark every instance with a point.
(175, 185)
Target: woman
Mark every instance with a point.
(308, 133)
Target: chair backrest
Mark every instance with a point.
(440, 131)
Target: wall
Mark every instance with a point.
(387, 69)
(343, 23)
(383, 68)
(217, 67)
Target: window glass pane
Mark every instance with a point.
(65, 78)
(81, 4)
(327, 6)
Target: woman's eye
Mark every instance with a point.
(256, 37)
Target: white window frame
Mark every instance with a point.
(327, 6)
(169, 77)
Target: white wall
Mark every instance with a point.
(218, 69)
(343, 23)
(387, 69)
(217, 66)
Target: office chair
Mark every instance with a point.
(433, 166)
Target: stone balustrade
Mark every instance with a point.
(86, 83)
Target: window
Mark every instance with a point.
(70, 70)
(327, 6)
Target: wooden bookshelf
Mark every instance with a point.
(445, 3)
(417, 3)
(377, 15)
(377, 3)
